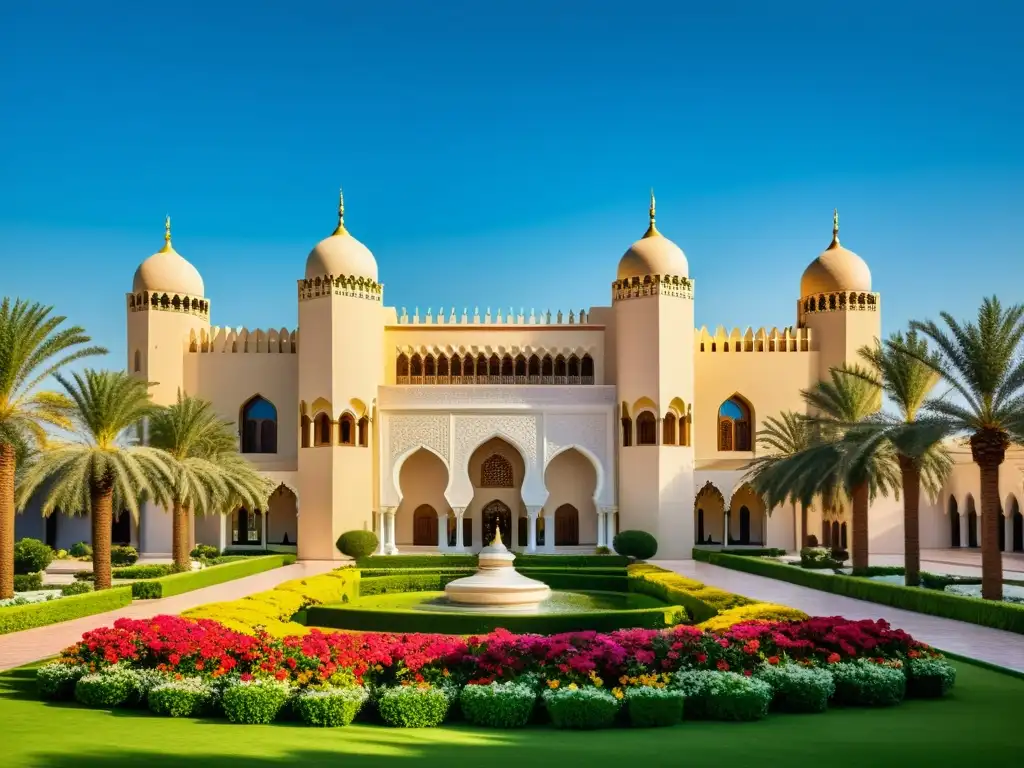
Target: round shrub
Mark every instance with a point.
(714, 695)
(930, 678)
(123, 555)
(654, 707)
(798, 689)
(103, 690)
(57, 680)
(498, 705)
(357, 544)
(330, 707)
(256, 702)
(863, 683)
(411, 706)
(80, 549)
(28, 582)
(31, 556)
(76, 588)
(637, 544)
(180, 698)
(201, 551)
(581, 708)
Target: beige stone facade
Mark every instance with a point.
(559, 429)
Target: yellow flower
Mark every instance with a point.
(571, 686)
(623, 680)
(617, 693)
(552, 684)
(597, 681)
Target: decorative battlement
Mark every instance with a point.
(840, 301)
(493, 365)
(652, 285)
(341, 285)
(242, 340)
(511, 318)
(168, 302)
(785, 340)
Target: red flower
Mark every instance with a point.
(834, 658)
(723, 665)
(773, 660)
(701, 658)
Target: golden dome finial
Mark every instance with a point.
(167, 236)
(835, 228)
(496, 541)
(341, 213)
(652, 230)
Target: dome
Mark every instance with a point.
(652, 254)
(341, 254)
(836, 269)
(167, 272)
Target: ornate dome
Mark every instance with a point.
(836, 269)
(166, 271)
(341, 254)
(653, 254)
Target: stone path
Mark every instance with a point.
(20, 648)
(995, 646)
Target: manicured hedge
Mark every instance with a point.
(752, 551)
(571, 561)
(438, 562)
(424, 580)
(18, 617)
(178, 583)
(973, 610)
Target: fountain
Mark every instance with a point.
(497, 585)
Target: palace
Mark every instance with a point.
(558, 429)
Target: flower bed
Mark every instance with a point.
(193, 666)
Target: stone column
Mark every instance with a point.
(965, 539)
(460, 545)
(381, 533)
(389, 524)
(531, 528)
(442, 531)
(602, 534)
(725, 525)
(1007, 533)
(609, 520)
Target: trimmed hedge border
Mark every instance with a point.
(973, 610)
(442, 562)
(18, 617)
(179, 583)
(423, 580)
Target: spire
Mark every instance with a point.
(835, 228)
(341, 214)
(167, 236)
(652, 230)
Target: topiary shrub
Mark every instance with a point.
(654, 707)
(203, 551)
(581, 708)
(499, 705)
(122, 554)
(817, 558)
(330, 707)
(57, 680)
(798, 689)
(636, 544)
(80, 549)
(187, 697)
(256, 702)
(929, 678)
(28, 582)
(863, 683)
(76, 588)
(413, 706)
(31, 556)
(103, 690)
(714, 695)
(357, 544)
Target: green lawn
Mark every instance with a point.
(979, 722)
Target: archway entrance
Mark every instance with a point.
(282, 517)
(422, 481)
(497, 516)
(424, 526)
(709, 512)
(567, 526)
(954, 524)
(747, 517)
(972, 523)
(571, 482)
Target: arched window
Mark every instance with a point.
(364, 431)
(429, 368)
(138, 361)
(457, 365)
(627, 431)
(668, 430)
(533, 366)
(954, 523)
(416, 366)
(496, 472)
(646, 429)
(306, 426)
(547, 366)
(520, 365)
(587, 369)
(442, 365)
(347, 429)
(493, 366)
(321, 429)
(402, 366)
(573, 366)
(259, 426)
(560, 366)
(734, 426)
(507, 367)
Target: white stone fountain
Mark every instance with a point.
(497, 585)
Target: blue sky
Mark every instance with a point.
(500, 154)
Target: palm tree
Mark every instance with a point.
(906, 370)
(209, 474)
(784, 436)
(33, 346)
(106, 466)
(982, 362)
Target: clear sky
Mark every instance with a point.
(500, 153)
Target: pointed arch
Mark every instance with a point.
(669, 433)
(347, 429)
(520, 366)
(416, 365)
(646, 428)
(735, 424)
(258, 422)
(363, 428)
(587, 369)
(322, 430)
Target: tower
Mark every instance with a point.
(341, 341)
(652, 300)
(837, 304)
(166, 305)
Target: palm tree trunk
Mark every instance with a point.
(101, 502)
(860, 527)
(911, 475)
(182, 561)
(988, 448)
(8, 462)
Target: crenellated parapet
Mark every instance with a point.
(488, 364)
(244, 341)
(775, 340)
(652, 285)
(840, 301)
(340, 285)
(497, 318)
(143, 301)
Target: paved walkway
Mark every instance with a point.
(20, 648)
(992, 645)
